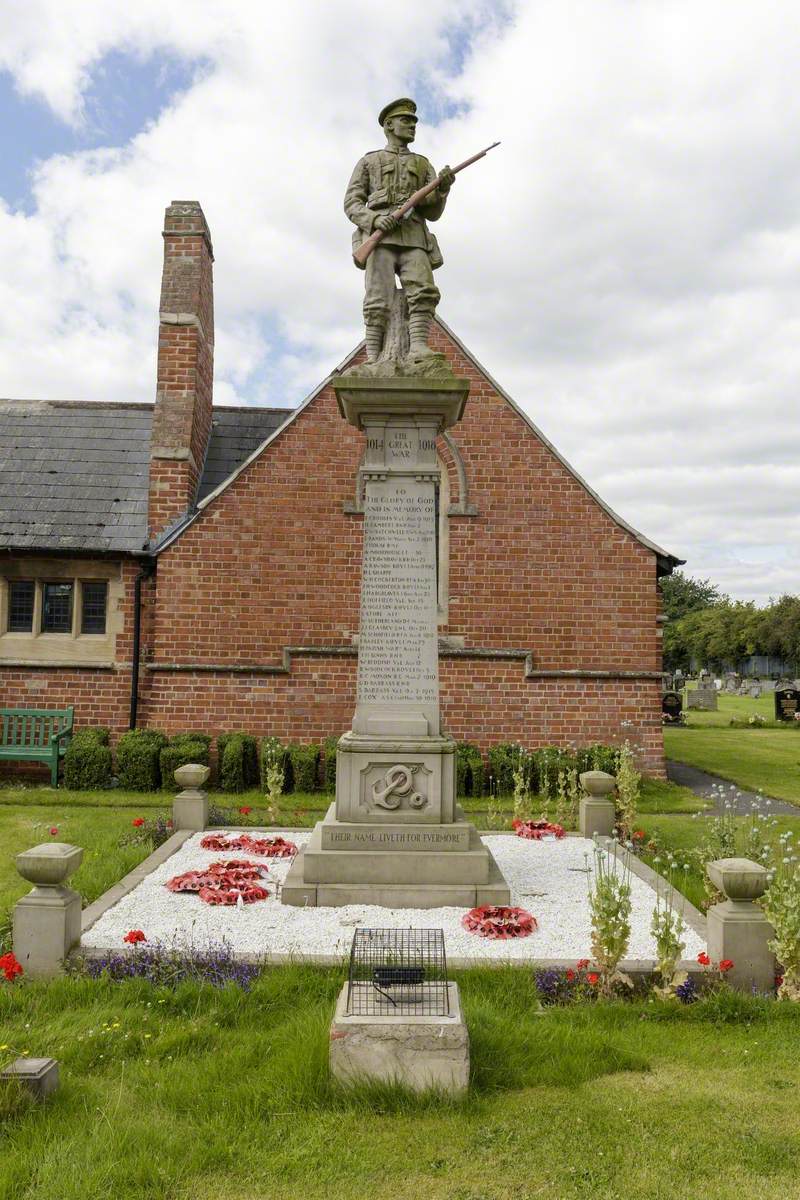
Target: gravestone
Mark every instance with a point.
(672, 707)
(395, 836)
(754, 691)
(787, 703)
(704, 699)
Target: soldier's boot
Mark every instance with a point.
(418, 325)
(374, 339)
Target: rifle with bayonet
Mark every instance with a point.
(361, 255)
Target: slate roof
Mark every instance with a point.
(235, 434)
(74, 475)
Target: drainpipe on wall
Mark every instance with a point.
(144, 573)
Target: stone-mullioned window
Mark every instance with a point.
(59, 610)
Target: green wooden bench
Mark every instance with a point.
(35, 735)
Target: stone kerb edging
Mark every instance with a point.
(94, 911)
(636, 967)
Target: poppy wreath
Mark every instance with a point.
(269, 847)
(499, 921)
(223, 882)
(536, 830)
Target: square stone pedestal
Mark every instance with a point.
(416, 1052)
(395, 866)
(395, 836)
(47, 924)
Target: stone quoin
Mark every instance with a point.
(236, 535)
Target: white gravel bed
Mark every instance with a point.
(548, 878)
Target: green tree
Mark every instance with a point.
(682, 594)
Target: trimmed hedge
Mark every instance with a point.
(178, 738)
(543, 766)
(329, 765)
(182, 749)
(238, 762)
(305, 766)
(502, 760)
(470, 770)
(138, 768)
(87, 762)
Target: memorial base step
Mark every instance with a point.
(423, 864)
(303, 893)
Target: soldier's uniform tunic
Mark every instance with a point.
(380, 183)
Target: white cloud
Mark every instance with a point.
(627, 263)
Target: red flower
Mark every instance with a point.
(245, 809)
(169, 824)
(593, 978)
(54, 831)
(778, 980)
(703, 959)
(137, 822)
(725, 965)
(570, 974)
(10, 967)
(582, 964)
(638, 834)
(134, 936)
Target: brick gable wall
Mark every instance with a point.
(274, 562)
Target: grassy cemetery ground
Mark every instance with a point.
(766, 758)
(179, 1093)
(173, 1092)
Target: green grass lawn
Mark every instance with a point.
(172, 1095)
(683, 835)
(740, 707)
(754, 759)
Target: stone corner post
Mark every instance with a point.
(190, 807)
(597, 811)
(47, 922)
(737, 928)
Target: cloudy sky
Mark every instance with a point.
(626, 264)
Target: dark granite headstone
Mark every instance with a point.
(672, 707)
(787, 703)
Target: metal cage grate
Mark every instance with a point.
(398, 971)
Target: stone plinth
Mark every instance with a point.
(47, 922)
(416, 1052)
(190, 807)
(597, 815)
(38, 1075)
(737, 928)
(395, 836)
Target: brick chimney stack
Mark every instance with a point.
(182, 415)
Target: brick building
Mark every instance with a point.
(183, 566)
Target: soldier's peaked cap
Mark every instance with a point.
(403, 105)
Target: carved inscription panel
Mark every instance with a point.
(397, 654)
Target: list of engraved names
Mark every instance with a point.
(397, 654)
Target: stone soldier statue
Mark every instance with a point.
(381, 181)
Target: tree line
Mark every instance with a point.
(707, 628)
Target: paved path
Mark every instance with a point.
(702, 784)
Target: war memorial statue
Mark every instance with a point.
(391, 196)
(396, 836)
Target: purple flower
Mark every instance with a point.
(687, 991)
